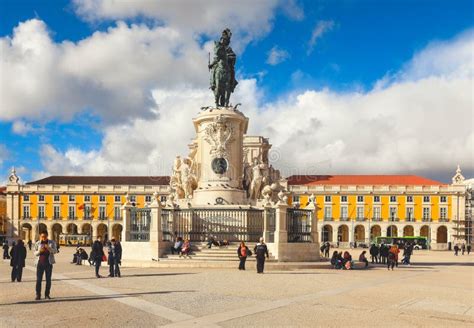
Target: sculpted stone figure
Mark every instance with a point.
(188, 180)
(223, 80)
(183, 181)
(257, 180)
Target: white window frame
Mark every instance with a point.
(344, 212)
(409, 199)
(377, 212)
(117, 198)
(26, 198)
(409, 214)
(40, 198)
(56, 214)
(72, 198)
(426, 212)
(87, 211)
(102, 198)
(327, 210)
(102, 212)
(295, 199)
(73, 208)
(344, 200)
(26, 211)
(426, 201)
(117, 213)
(163, 198)
(393, 201)
(390, 213)
(41, 212)
(147, 198)
(133, 198)
(360, 201)
(56, 198)
(443, 199)
(376, 199)
(443, 212)
(360, 210)
(87, 198)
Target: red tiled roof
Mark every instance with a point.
(361, 180)
(104, 180)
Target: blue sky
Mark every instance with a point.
(359, 43)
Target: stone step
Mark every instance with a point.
(192, 264)
(217, 257)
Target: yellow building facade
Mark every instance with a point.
(77, 205)
(357, 209)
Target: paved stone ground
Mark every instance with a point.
(436, 291)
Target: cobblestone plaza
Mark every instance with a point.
(435, 291)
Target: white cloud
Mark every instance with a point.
(415, 123)
(319, 30)
(276, 56)
(110, 73)
(23, 128)
(4, 153)
(248, 19)
(292, 9)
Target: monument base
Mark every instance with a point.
(219, 196)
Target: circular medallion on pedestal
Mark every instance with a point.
(219, 165)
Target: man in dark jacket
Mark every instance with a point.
(115, 257)
(98, 251)
(261, 251)
(374, 253)
(18, 260)
(5, 251)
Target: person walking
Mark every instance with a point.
(243, 252)
(261, 251)
(395, 250)
(115, 257)
(44, 251)
(98, 251)
(326, 249)
(374, 253)
(463, 249)
(18, 260)
(30, 244)
(456, 249)
(5, 251)
(468, 247)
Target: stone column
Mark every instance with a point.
(266, 223)
(94, 231)
(156, 233)
(49, 227)
(383, 230)
(34, 232)
(126, 221)
(281, 234)
(314, 220)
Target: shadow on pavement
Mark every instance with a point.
(95, 298)
(123, 276)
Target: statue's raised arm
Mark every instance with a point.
(223, 80)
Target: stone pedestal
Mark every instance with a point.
(219, 155)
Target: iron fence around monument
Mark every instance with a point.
(198, 224)
(298, 224)
(140, 219)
